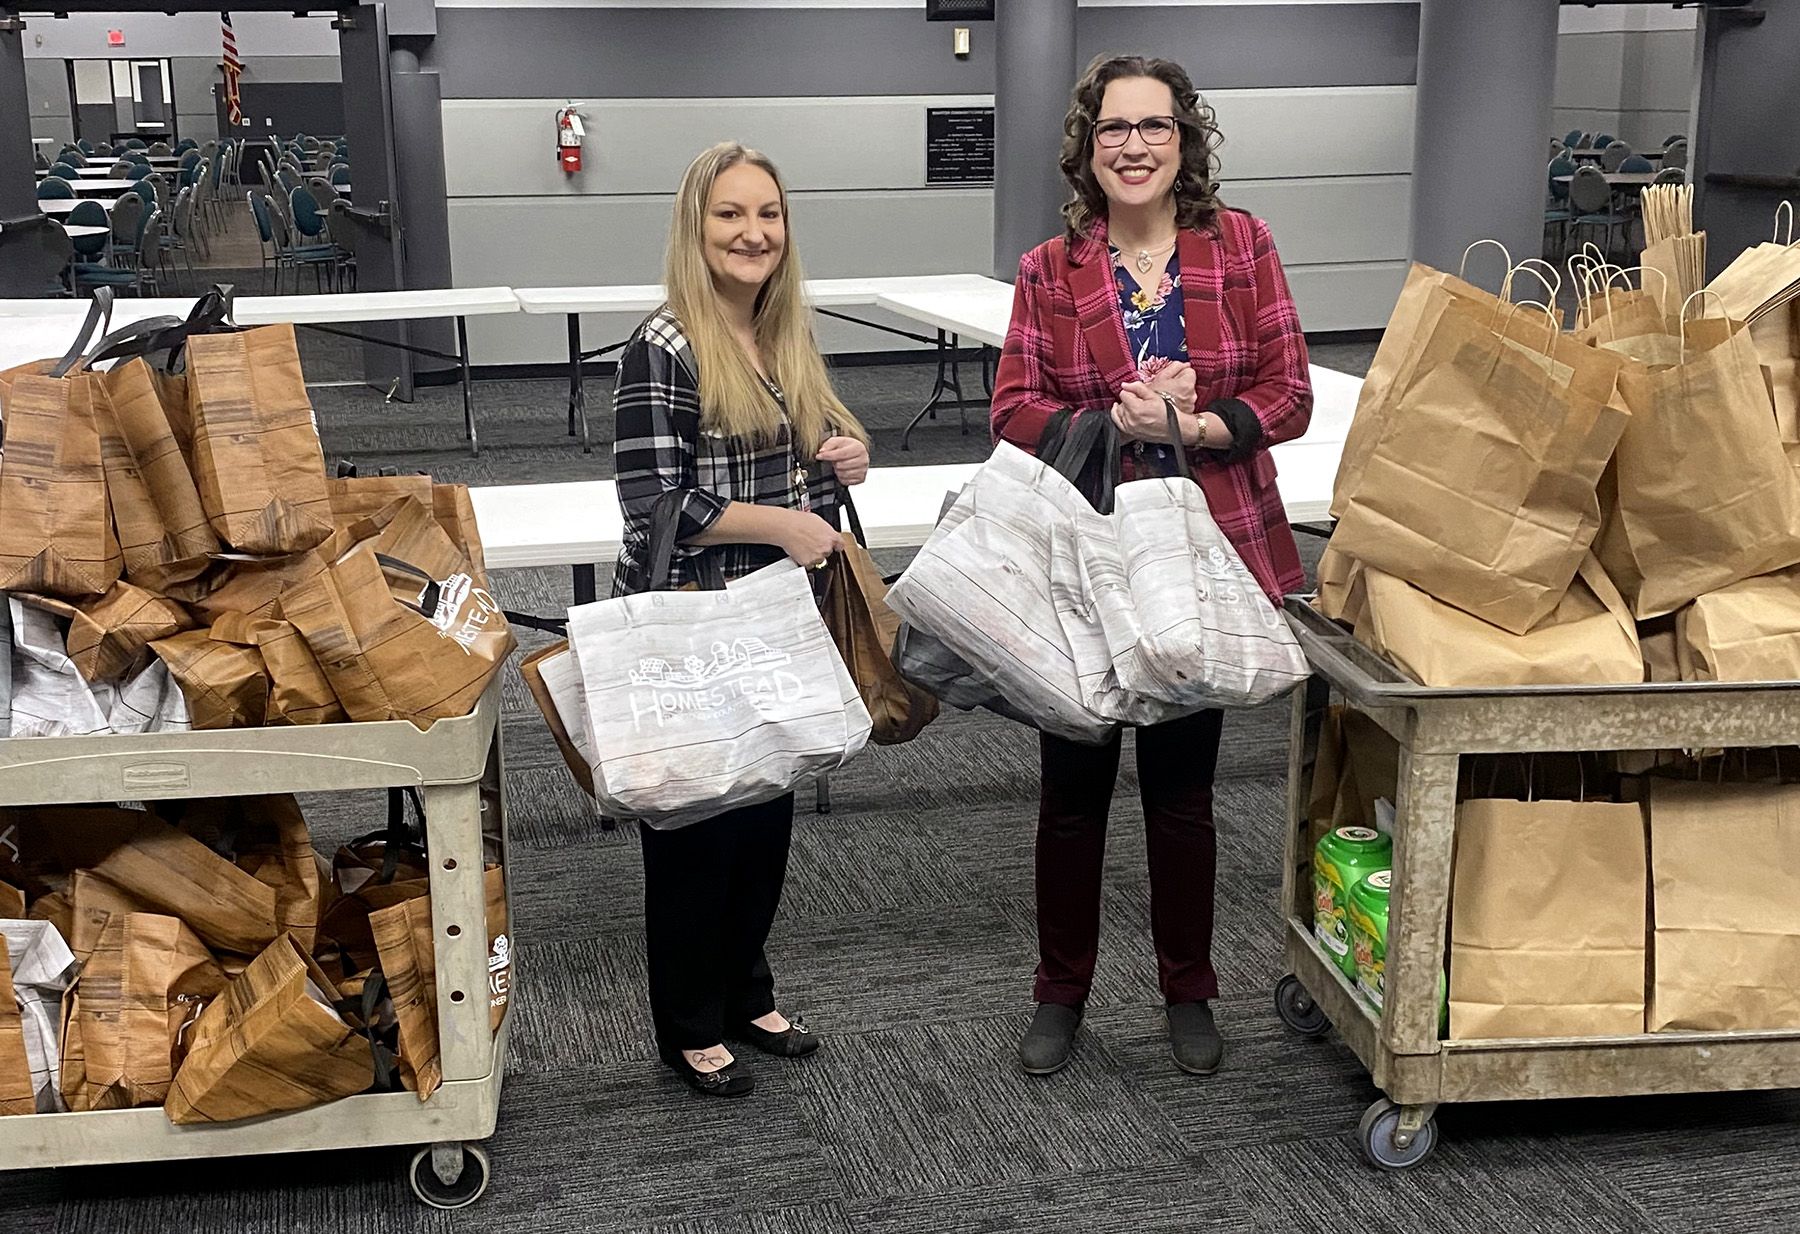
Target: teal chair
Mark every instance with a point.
(1636, 164)
(340, 174)
(85, 146)
(1557, 214)
(312, 243)
(51, 188)
(88, 249)
(139, 171)
(63, 171)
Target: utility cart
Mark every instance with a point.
(457, 763)
(1435, 727)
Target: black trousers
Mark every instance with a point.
(710, 894)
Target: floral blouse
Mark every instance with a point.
(1154, 328)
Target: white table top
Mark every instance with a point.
(84, 231)
(979, 313)
(579, 523)
(823, 293)
(90, 172)
(63, 205)
(375, 305)
(98, 187)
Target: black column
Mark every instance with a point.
(1034, 71)
(18, 177)
(1487, 75)
(419, 160)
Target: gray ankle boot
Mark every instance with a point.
(1046, 1044)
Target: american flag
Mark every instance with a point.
(234, 68)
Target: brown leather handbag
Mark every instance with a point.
(854, 605)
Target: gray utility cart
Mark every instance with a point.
(1435, 727)
(458, 765)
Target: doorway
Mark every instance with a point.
(113, 100)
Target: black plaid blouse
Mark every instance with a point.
(659, 445)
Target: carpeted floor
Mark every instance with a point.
(906, 940)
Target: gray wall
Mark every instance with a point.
(47, 84)
(1315, 102)
(1628, 70)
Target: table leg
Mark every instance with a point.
(462, 356)
(584, 584)
(962, 414)
(989, 360)
(577, 396)
(939, 387)
(822, 802)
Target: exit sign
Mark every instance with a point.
(115, 38)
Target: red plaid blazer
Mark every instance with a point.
(1066, 347)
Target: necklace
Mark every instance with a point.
(1144, 256)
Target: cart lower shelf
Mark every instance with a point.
(460, 1110)
(1536, 1068)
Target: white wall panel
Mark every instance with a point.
(1358, 296)
(1347, 219)
(506, 146)
(1326, 131)
(1589, 69)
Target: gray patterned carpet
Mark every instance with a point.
(906, 941)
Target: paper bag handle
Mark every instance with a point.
(98, 312)
(1789, 207)
(1463, 265)
(1553, 280)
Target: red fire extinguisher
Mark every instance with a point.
(569, 133)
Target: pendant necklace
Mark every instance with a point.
(1144, 255)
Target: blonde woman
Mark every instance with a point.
(723, 396)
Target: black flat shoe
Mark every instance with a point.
(730, 1080)
(1044, 1050)
(791, 1042)
(1194, 1039)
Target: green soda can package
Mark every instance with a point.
(1342, 858)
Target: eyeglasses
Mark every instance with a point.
(1155, 130)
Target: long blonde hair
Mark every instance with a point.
(733, 399)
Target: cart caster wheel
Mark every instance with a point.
(1297, 1009)
(1386, 1146)
(466, 1163)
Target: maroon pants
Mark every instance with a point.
(1175, 774)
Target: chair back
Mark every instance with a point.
(183, 218)
(89, 214)
(186, 143)
(85, 146)
(53, 187)
(161, 149)
(136, 143)
(343, 230)
(307, 220)
(1672, 175)
(1561, 165)
(280, 237)
(33, 255)
(323, 191)
(1588, 190)
(140, 171)
(1636, 164)
(120, 170)
(289, 181)
(127, 215)
(1614, 155)
(1603, 140)
(104, 151)
(63, 171)
(150, 239)
(1584, 141)
(340, 174)
(40, 162)
(1675, 154)
(259, 211)
(190, 159)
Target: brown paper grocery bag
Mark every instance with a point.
(1356, 765)
(863, 627)
(456, 515)
(1657, 638)
(1415, 314)
(134, 995)
(271, 1042)
(18, 1092)
(1699, 494)
(1481, 487)
(386, 659)
(94, 901)
(1589, 637)
(1749, 631)
(163, 531)
(299, 692)
(228, 908)
(531, 668)
(107, 635)
(1726, 905)
(255, 587)
(257, 461)
(1340, 593)
(354, 498)
(225, 682)
(56, 527)
(1547, 919)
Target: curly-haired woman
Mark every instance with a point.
(1156, 297)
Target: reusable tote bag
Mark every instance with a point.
(702, 701)
(1185, 621)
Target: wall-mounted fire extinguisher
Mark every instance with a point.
(569, 132)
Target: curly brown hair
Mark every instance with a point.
(1196, 193)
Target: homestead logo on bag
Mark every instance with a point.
(499, 971)
(463, 611)
(745, 672)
